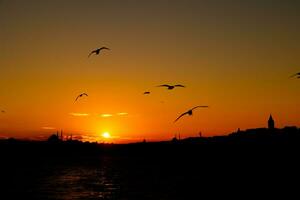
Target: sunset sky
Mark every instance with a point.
(235, 56)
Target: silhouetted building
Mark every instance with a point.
(200, 134)
(174, 139)
(54, 138)
(290, 129)
(61, 135)
(271, 123)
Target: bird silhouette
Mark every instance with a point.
(297, 74)
(189, 112)
(81, 95)
(2, 111)
(97, 51)
(146, 92)
(171, 87)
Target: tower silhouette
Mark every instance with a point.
(61, 135)
(271, 123)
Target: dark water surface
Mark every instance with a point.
(103, 177)
(160, 176)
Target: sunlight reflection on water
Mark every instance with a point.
(96, 181)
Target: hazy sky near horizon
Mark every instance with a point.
(234, 55)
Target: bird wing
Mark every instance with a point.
(297, 74)
(165, 85)
(146, 92)
(199, 107)
(180, 116)
(179, 86)
(77, 97)
(104, 48)
(92, 53)
(85, 94)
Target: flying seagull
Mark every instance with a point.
(81, 95)
(97, 51)
(189, 112)
(171, 87)
(297, 74)
(146, 92)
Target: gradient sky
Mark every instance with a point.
(235, 56)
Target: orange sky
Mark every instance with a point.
(235, 57)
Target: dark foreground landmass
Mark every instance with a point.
(258, 163)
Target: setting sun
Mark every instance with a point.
(106, 135)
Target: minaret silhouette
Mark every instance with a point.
(271, 123)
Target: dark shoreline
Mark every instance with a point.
(255, 165)
(249, 140)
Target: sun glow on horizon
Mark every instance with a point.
(106, 115)
(106, 135)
